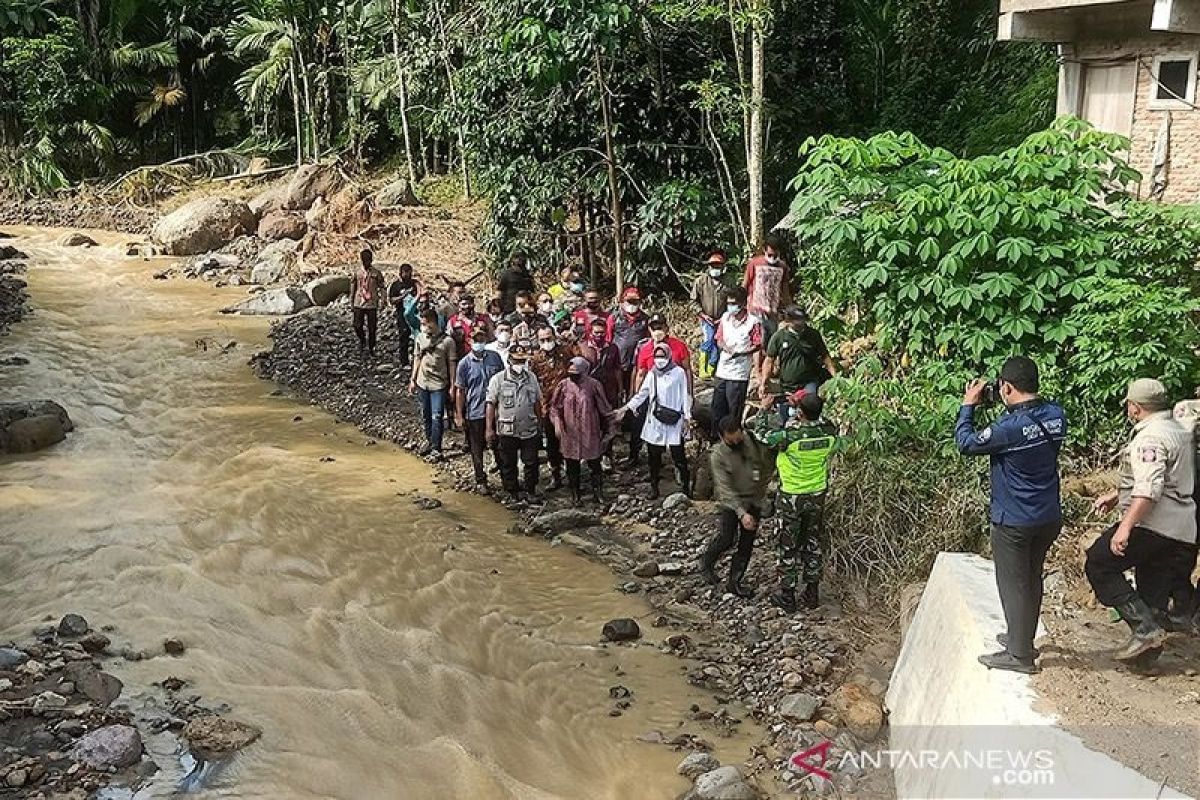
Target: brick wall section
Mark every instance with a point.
(1184, 157)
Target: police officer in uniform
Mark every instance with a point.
(1157, 530)
(513, 426)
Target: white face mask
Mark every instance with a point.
(715, 273)
(546, 346)
(662, 363)
(772, 260)
(503, 336)
(630, 308)
(546, 307)
(517, 367)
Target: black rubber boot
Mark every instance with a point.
(736, 571)
(812, 595)
(683, 477)
(1145, 633)
(598, 489)
(654, 479)
(785, 598)
(556, 480)
(1002, 640)
(708, 559)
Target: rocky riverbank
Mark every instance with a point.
(69, 728)
(807, 677)
(77, 210)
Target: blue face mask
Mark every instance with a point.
(733, 308)
(577, 288)
(478, 347)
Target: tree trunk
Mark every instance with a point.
(462, 144)
(755, 168)
(613, 189)
(295, 87)
(403, 87)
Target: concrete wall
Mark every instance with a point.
(941, 700)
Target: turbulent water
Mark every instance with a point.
(385, 652)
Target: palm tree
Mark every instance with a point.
(273, 42)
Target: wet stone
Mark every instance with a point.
(72, 626)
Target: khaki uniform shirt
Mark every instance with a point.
(516, 402)
(436, 357)
(1158, 464)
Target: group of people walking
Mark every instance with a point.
(559, 376)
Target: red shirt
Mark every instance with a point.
(461, 328)
(582, 318)
(679, 352)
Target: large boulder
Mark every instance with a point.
(97, 686)
(274, 262)
(273, 302)
(7, 251)
(396, 193)
(202, 225)
(268, 200)
(567, 519)
(110, 747)
(276, 225)
(310, 182)
(30, 426)
(327, 288)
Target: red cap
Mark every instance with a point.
(795, 397)
(631, 291)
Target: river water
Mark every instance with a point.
(385, 652)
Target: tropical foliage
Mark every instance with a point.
(552, 109)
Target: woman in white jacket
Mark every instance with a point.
(670, 414)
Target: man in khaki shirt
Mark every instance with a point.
(1157, 530)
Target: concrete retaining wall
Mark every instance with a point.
(948, 710)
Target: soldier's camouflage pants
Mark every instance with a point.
(801, 537)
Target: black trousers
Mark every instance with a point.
(476, 433)
(526, 450)
(729, 398)
(729, 534)
(575, 472)
(1155, 560)
(1020, 556)
(404, 339)
(678, 455)
(553, 448)
(371, 317)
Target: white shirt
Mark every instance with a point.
(738, 336)
(670, 389)
(500, 350)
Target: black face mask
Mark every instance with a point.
(738, 445)
(575, 377)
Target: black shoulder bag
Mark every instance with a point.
(667, 416)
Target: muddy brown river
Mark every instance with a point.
(385, 652)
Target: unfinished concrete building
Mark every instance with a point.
(1129, 67)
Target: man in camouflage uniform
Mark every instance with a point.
(804, 447)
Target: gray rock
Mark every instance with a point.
(76, 239)
(327, 288)
(310, 182)
(567, 519)
(647, 569)
(210, 262)
(697, 764)
(11, 658)
(73, 625)
(174, 647)
(281, 302)
(47, 700)
(95, 642)
(621, 630)
(723, 783)
(396, 193)
(274, 261)
(268, 200)
(202, 225)
(677, 500)
(110, 747)
(97, 686)
(32, 425)
(672, 568)
(7, 252)
(799, 707)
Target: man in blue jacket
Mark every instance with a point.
(1026, 512)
